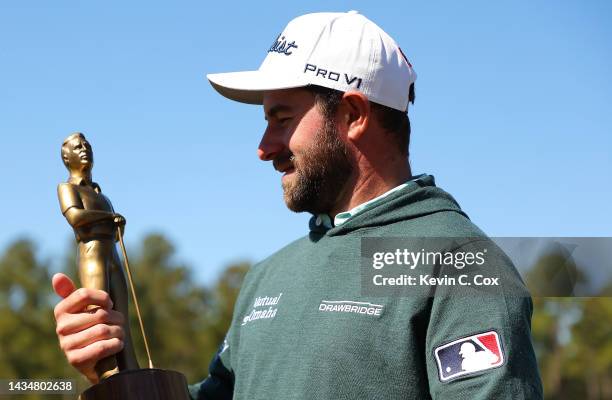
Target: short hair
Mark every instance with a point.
(393, 121)
(64, 150)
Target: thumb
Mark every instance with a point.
(62, 285)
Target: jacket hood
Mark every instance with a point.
(419, 198)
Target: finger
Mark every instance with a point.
(78, 300)
(71, 323)
(91, 335)
(90, 355)
(62, 285)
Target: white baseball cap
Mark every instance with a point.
(342, 51)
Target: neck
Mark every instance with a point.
(81, 174)
(369, 182)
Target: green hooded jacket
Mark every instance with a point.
(305, 327)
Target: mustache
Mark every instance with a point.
(283, 160)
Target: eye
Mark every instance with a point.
(284, 120)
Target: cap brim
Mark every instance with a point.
(248, 86)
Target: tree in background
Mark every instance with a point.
(223, 298)
(28, 345)
(185, 323)
(572, 336)
(589, 353)
(550, 281)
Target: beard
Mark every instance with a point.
(320, 172)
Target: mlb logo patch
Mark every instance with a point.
(469, 355)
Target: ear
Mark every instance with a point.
(355, 114)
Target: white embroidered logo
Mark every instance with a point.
(356, 307)
(266, 313)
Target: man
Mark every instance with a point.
(95, 223)
(335, 90)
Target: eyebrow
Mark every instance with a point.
(273, 111)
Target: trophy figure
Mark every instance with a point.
(97, 228)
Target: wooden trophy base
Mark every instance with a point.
(150, 384)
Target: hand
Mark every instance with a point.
(86, 337)
(119, 220)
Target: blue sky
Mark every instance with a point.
(512, 116)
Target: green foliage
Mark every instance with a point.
(572, 336)
(28, 345)
(554, 274)
(184, 323)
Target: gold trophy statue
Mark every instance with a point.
(97, 228)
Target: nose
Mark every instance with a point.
(271, 144)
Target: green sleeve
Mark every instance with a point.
(466, 313)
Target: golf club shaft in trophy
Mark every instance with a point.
(129, 275)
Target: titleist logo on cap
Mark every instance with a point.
(282, 46)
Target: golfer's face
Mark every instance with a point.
(292, 123)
